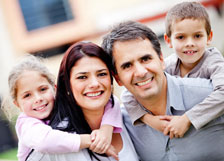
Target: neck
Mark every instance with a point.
(157, 104)
(186, 68)
(93, 118)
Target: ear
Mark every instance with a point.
(16, 103)
(162, 61)
(210, 38)
(168, 41)
(118, 80)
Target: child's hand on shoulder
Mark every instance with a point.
(177, 126)
(155, 122)
(101, 139)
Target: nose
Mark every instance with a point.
(190, 42)
(93, 83)
(38, 97)
(140, 70)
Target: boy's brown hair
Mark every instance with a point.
(187, 10)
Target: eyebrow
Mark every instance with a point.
(146, 56)
(101, 70)
(129, 62)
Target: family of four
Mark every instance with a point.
(163, 117)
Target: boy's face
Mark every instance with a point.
(189, 40)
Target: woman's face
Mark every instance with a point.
(90, 83)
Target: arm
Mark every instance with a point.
(177, 126)
(213, 106)
(155, 122)
(133, 108)
(36, 135)
(112, 115)
(112, 118)
(138, 115)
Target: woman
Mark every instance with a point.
(84, 87)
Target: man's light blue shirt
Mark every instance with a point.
(206, 144)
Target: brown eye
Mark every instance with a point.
(146, 58)
(81, 77)
(180, 37)
(198, 36)
(126, 65)
(26, 95)
(43, 89)
(102, 74)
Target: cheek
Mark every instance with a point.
(125, 76)
(108, 85)
(77, 89)
(52, 97)
(177, 45)
(25, 106)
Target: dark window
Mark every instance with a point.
(43, 13)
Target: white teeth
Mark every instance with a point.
(189, 52)
(93, 94)
(144, 83)
(40, 108)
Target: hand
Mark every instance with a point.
(85, 141)
(177, 126)
(101, 139)
(112, 152)
(155, 122)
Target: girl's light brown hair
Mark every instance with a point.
(28, 63)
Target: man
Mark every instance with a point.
(139, 66)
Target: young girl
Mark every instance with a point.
(32, 90)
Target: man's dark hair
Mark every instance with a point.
(126, 31)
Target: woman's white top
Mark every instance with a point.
(127, 153)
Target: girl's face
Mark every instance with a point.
(90, 83)
(35, 95)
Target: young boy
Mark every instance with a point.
(188, 31)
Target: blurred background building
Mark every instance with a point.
(47, 27)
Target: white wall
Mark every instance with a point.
(6, 54)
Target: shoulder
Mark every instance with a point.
(22, 118)
(126, 96)
(190, 84)
(213, 55)
(125, 115)
(171, 64)
(213, 61)
(171, 60)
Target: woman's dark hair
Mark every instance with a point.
(66, 106)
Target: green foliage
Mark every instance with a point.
(9, 155)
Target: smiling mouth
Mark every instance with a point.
(190, 52)
(41, 107)
(94, 94)
(144, 82)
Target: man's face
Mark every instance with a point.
(139, 68)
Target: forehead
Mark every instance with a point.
(88, 64)
(188, 24)
(30, 79)
(132, 49)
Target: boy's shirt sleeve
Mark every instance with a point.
(112, 115)
(172, 64)
(134, 109)
(212, 106)
(35, 134)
